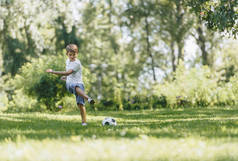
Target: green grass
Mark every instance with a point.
(183, 134)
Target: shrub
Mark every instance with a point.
(194, 87)
(3, 101)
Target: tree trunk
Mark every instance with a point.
(173, 56)
(4, 38)
(30, 49)
(111, 33)
(179, 20)
(149, 47)
(201, 40)
(180, 52)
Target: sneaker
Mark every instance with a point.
(91, 101)
(84, 124)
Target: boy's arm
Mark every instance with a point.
(64, 73)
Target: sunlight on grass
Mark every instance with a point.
(178, 135)
(142, 148)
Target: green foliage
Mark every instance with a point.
(63, 38)
(196, 87)
(20, 102)
(14, 55)
(135, 102)
(35, 82)
(229, 61)
(219, 15)
(3, 102)
(32, 28)
(121, 42)
(230, 91)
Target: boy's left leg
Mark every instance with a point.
(83, 113)
(81, 93)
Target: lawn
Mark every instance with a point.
(205, 134)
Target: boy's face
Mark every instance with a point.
(72, 56)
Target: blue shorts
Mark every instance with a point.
(72, 89)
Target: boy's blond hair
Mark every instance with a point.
(72, 48)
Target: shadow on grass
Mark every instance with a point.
(210, 123)
(169, 113)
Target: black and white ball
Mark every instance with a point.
(109, 121)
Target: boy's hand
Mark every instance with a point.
(49, 70)
(63, 78)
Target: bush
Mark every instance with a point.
(194, 87)
(3, 101)
(21, 102)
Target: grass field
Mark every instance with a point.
(167, 135)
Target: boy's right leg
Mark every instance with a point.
(83, 113)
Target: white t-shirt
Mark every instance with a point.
(76, 76)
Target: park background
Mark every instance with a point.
(165, 69)
(135, 54)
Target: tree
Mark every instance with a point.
(174, 26)
(207, 42)
(219, 15)
(20, 32)
(142, 23)
(31, 28)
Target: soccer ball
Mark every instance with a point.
(109, 121)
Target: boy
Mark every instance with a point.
(74, 80)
